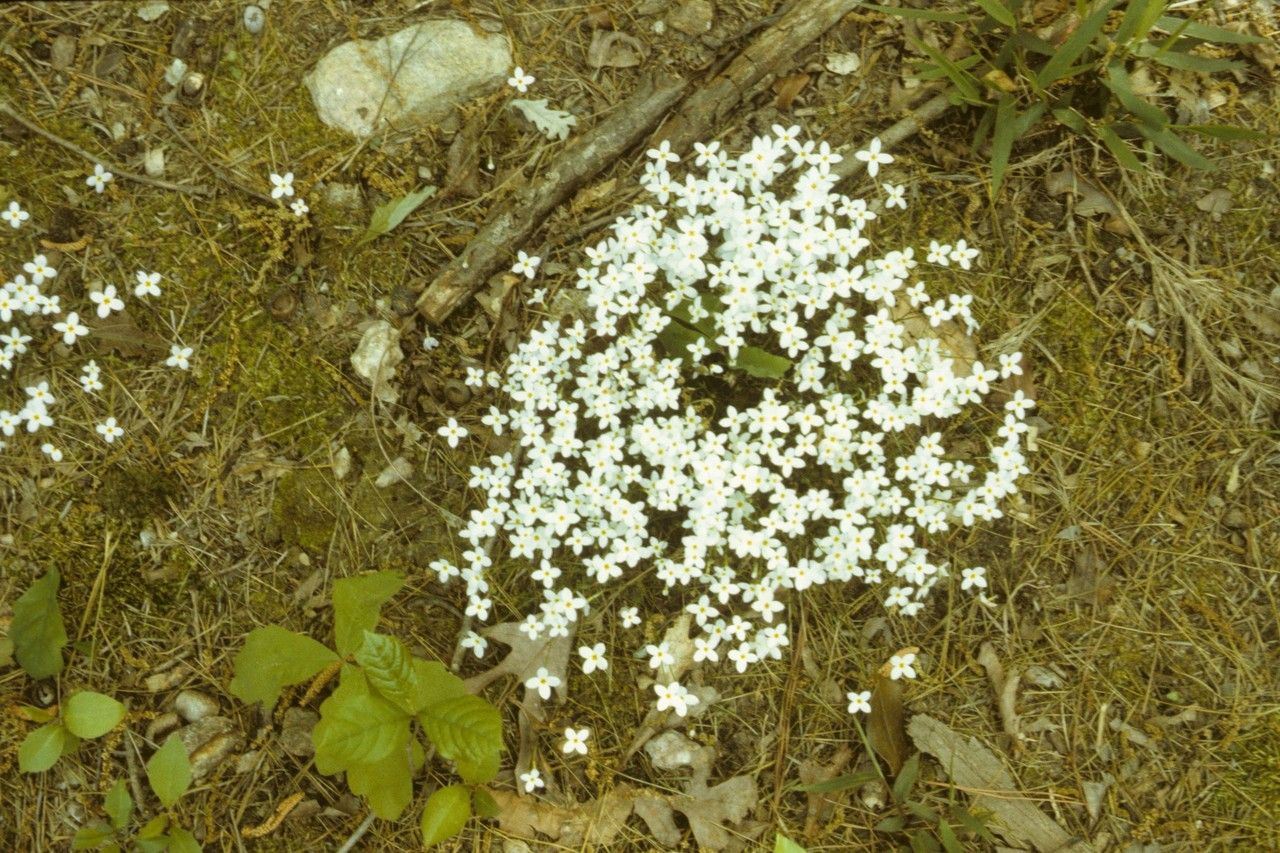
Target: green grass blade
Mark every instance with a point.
(1205, 32)
(966, 84)
(1170, 143)
(1186, 61)
(1002, 140)
(1139, 18)
(1118, 148)
(1117, 80)
(1073, 47)
(1222, 131)
(999, 11)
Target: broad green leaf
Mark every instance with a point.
(479, 771)
(37, 631)
(484, 803)
(1119, 148)
(1173, 58)
(906, 778)
(357, 606)
(1117, 80)
(1002, 139)
(464, 728)
(841, 783)
(967, 86)
(118, 804)
(919, 14)
(1168, 142)
(357, 726)
(159, 844)
(447, 811)
(386, 785)
(761, 364)
(1071, 49)
(182, 841)
(388, 216)
(6, 651)
(438, 682)
(782, 844)
(1222, 131)
(272, 659)
(92, 837)
(169, 771)
(999, 11)
(388, 666)
(1205, 32)
(41, 748)
(947, 836)
(88, 714)
(155, 827)
(1139, 17)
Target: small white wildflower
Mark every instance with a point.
(109, 430)
(520, 80)
(451, 432)
(476, 643)
(148, 284)
(299, 208)
(532, 780)
(48, 449)
(430, 342)
(900, 666)
(593, 658)
(15, 215)
(107, 301)
(542, 681)
(873, 157)
(71, 328)
(575, 740)
(630, 616)
(281, 185)
(179, 357)
(860, 702)
(526, 265)
(99, 179)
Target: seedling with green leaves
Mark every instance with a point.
(1083, 82)
(367, 725)
(169, 775)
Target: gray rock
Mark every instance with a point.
(192, 705)
(295, 732)
(406, 79)
(208, 743)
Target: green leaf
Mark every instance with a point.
(478, 772)
(841, 783)
(357, 726)
(386, 785)
(759, 363)
(388, 216)
(922, 811)
(155, 827)
(42, 748)
(967, 86)
(920, 14)
(1170, 144)
(484, 803)
(357, 606)
(1117, 80)
(159, 844)
(182, 841)
(1062, 60)
(37, 631)
(118, 804)
(1185, 61)
(447, 811)
(906, 778)
(782, 844)
(1139, 17)
(169, 771)
(92, 837)
(437, 681)
(1222, 131)
(465, 728)
(999, 11)
(893, 823)
(1002, 139)
(388, 666)
(947, 836)
(1119, 148)
(88, 714)
(1071, 119)
(272, 659)
(1205, 32)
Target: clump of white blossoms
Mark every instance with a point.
(828, 466)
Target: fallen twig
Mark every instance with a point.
(897, 133)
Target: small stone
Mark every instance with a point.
(407, 79)
(254, 19)
(161, 726)
(208, 743)
(193, 85)
(295, 732)
(692, 17)
(193, 706)
(167, 680)
(175, 73)
(153, 162)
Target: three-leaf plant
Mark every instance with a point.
(366, 726)
(83, 715)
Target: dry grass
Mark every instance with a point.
(1135, 580)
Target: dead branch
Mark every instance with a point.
(897, 133)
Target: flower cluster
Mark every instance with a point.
(829, 469)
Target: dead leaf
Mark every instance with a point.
(884, 724)
(708, 810)
(786, 89)
(660, 818)
(614, 49)
(821, 804)
(1215, 202)
(976, 768)
(121, 333)
(955, 342)
(525, 657)
(1090, 200)
(596, 822)
(1005, 686)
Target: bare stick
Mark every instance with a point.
(517, 218)
(189, 189)
(352, 841)
(897, 133)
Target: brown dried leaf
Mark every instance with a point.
(595, 822)
(525, 657)
(1090, 200)
(592, 197)
(614, 49)
(786, 89)
(955, 342)
(660, 818)
(820, 805)
(120, 333)
(885, 723)
(1005, 686)
(709, 809)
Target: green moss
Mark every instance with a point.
(303, 509)
(134, 492)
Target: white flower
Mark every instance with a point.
(52, 452)
(676, 697)
(593, 658)
(148, 284)
(299, 208)
(430, 342)
(89, 377)
(451, 432)
(281, 185)
(873, 157)
(962, 254)
(900, 666)
(15, 215)
(99, 179)
(575, 740)
(476, 643)
(519, 80)
(1010, 364)
(630, 616)
(107, 301)
(860, 702)
(542, 681)
(525, 265)
(179, 356)
(71, 328)
(532, 780)
(39, 270)
(109, 430)
(896, 196)
(663, 153)
(659, 655)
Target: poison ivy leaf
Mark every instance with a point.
(272, 659)
(357, 606)
(386, 785)
(387, 216)
(478, 772)
(388, 666)
(484, 803)
(88, 714)
(447, 811)
(357, 726)
(118, 804)
(154, 828)
(37, 631)
(41, 748)
(182, 841)
(465, 728)
(782, 844)
(169, 771)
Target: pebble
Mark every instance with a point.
(254, 19)
(208, 743)
(193, 706)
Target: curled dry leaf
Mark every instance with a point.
(787, 89)
(955, 342)
(1005, 686)
(614, 49)
(885, 723)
